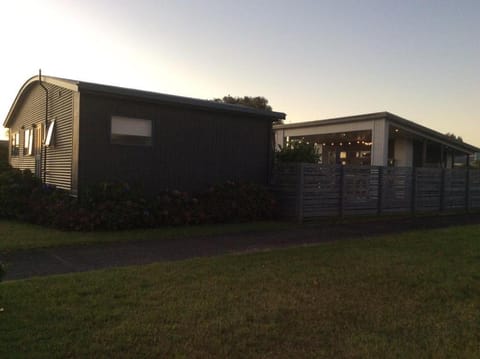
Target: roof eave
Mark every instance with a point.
(406, 124)
(176, 100)
(335, 120)
(434, 135)
(141, 95)
(68, 84)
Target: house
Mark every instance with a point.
(379, 139)
(73, 133)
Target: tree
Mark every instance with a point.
(297, 151)
(454, 137)
(258, 102)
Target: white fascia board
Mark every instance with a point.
(327, 129)
(410, 130)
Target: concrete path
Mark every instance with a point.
(48, 261)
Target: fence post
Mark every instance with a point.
(300, 188)
(467, 189)
(380, 189)
(341, 191)
(414, 190)
(442, 189)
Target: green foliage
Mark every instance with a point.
(17, 235)
(454, 137)
(116, 205)
(297, 151)
(4, 157)
(16, 188)
(258, 102)
(238, 202)
(2, 270)
(411, 295)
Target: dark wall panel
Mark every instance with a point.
(191, 148)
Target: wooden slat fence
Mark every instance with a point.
(307, 191)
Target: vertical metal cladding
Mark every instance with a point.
(191, 148)
(30, 112)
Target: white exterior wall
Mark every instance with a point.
(403, 152)
(380, 129)
(380, 143)
(279, 136)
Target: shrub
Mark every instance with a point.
(175, 208)
(116, 205)
(16, 188)
(297, 151)
(238, 202)
(4, 166)
(53, 207)
(2, 271)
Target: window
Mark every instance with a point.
(15, 144)
(131, 131)
(39, 138)
(49, 140)
(28, 143)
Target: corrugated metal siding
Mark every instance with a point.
(59, 157)
(191, 148)
(32, 111)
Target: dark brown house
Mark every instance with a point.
(72, 133)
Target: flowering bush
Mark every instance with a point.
(116, 205)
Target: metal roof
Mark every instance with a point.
(392, 118)
(89, 87)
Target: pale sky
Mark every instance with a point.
(311, 59)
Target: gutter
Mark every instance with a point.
(44, 149)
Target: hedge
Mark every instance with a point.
(116, 205)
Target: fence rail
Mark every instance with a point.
(306, 191)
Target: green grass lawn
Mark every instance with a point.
(18, 235)
(412, 295)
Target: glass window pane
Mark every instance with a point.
(48, 140)
(131, 131)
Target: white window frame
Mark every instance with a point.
(49, 138)
(15, 144)
(28, 142)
